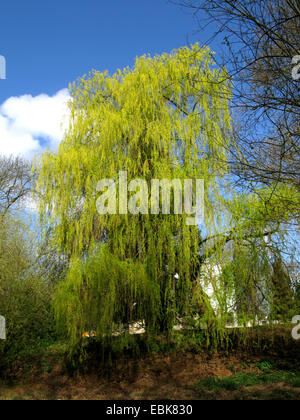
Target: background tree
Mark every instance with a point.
(25, 290)
(284, 297)
(25, 296)
(15, 183)
(261, 40)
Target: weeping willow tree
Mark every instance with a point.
(167, 118)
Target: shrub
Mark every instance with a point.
(26, 305)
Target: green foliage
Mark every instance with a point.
(248, 275)
(264, 366)
(167, 118)
(233, 383)
(14, 256)
(297, 298)
(26, 305)
(283, 299)
(25, 298)
(93, 291)
(164, 119)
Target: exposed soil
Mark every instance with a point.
(172, 376)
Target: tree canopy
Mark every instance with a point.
(166, 118)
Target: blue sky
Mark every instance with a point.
(49, 44)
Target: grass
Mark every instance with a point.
(235, 382)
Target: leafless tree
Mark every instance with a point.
(15, 183)
(261, 40)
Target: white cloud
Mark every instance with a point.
(26, 119)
